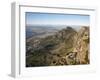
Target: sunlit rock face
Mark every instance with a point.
(82, 46)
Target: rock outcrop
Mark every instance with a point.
(82, 46)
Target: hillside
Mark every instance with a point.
(65, 47)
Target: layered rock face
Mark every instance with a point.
(82, 46)
(66, 47)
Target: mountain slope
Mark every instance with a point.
(66, 47)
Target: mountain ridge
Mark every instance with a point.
(66, 47)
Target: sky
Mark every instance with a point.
(33, 18)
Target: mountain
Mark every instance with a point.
(65, 47)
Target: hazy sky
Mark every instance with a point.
(56, 19)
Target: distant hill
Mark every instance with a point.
(34, 31)
(64, 47)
